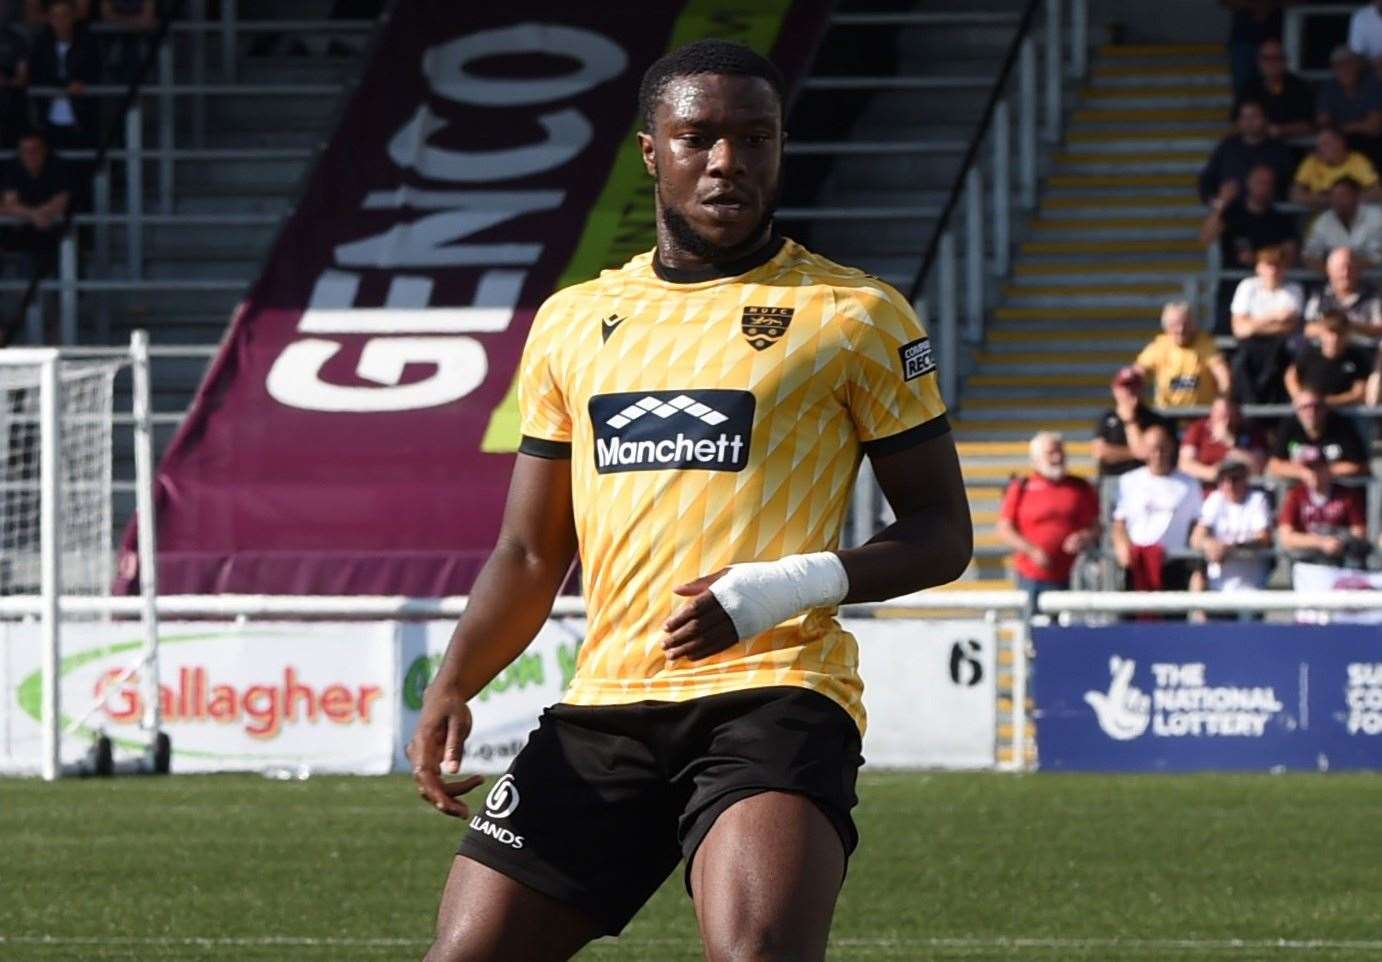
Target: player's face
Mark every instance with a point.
(716, 152)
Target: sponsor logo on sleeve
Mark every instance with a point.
(764, 326)
(916, 358)
(705, 430)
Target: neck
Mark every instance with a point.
(672, 254)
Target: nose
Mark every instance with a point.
(725, 159)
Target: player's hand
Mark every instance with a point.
(435, 750)
(700, 628)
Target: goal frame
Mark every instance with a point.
(49, 602)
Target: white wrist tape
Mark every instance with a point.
(759, 595)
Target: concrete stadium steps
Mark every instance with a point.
(1114, 237)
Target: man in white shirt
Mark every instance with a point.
(1157, 506)
(1235, 524)
(1266, 313)
(1365, 31)
(1348, 223)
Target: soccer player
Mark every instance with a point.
(693, 423)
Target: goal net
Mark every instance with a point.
(56, 535)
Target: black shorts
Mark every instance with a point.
(603, 801)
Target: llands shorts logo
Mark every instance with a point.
(500, 803)
(706, 430)
(502, 799)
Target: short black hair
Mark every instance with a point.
(705, 56)
(1348, 182)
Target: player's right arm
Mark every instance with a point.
(509, 602)
(513, 593)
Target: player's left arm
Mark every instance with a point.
(892, 394)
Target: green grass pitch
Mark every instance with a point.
(1040, 867)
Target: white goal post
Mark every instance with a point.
(56, 523)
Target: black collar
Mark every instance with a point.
(740, 265)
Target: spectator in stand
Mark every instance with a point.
(1316, 430)
(1254, 21)
(1244, 223)
(1322, 521)
(1266, 314)
(14, 78)
(1348, 223)
(1330, 163)
(65, 55)
(1333, 369)
(1048, 518)
(1120, 434)
(1372, 395)
(1288, 100)
(36, 13)
(1234, 527)
(1156, 507)
(1182, 362)
(36, 191)
(1240, 152)
(1351, 101)
(1346, 291)
(1221, 436)
(135, 19)
(1365, 32)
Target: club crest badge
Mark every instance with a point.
(764, 326)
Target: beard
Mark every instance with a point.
(1051, 472)
(687, 239)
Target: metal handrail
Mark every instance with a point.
(1024, 27)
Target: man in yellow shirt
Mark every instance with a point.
(1330, 162)
(1182, 362)
(693, 423)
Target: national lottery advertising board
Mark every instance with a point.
(1169, 697)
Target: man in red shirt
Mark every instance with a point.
(1209, 441)
(1322, 521)
(1047, 518)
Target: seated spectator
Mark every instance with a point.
(1365, 32)
(1120, 434)
(1182, 362)
(65, 55)
(1253, 22)
(1348, 223)
(1156, 507)
(36, 189)
(1330, 162)
(1266, 314)
(1333, 369)
(1223, 435)
(1235, 524)
(1240, 152)
(1348, 291)
(1289, 100)
(1313, 431)
(1246, 222)
(1323, 522)
(1048, 518)
(1351, 101)
(14, 80)
(134, 19)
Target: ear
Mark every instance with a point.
(646, 148)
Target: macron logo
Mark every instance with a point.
(636, 430)
(665, 409)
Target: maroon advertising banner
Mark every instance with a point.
(355, 434)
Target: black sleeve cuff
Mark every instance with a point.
(909, 438)
(542, 448)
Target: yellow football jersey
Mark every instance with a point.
(711, 420)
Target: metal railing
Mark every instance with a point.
(987, 185)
